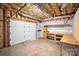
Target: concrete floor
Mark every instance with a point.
(41, 48)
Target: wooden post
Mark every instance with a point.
(45, 32)
(5, 28)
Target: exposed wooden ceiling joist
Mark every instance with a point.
(57, 18)
(24, 12)
(41, 7)
(56, 8)
(28, 16)
(41, 11)
(34, 11)
(56, 11)
(19, 9)
(48, 9)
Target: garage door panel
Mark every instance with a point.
(21, 31)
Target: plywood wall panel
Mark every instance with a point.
(1, 14)
(1, 28)
(76, 25)
(1, 34)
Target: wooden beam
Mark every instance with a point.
(25, 20)
(16, 15)
(30, 17)
(19, 9)
(5, 29)
(8, 7)
(23, 12)
(57, 18)
(56, 9)
(61, 25)
(34, 13)
(40, 6)
(48, 8)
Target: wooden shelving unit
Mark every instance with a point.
(45, 32)
(53, 36)
(57, 37)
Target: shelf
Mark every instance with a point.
(59, 35)
(58, 38)
(55, 36)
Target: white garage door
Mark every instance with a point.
(21, 31)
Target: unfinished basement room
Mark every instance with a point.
(39, 29)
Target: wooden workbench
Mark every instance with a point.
(69, 39)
